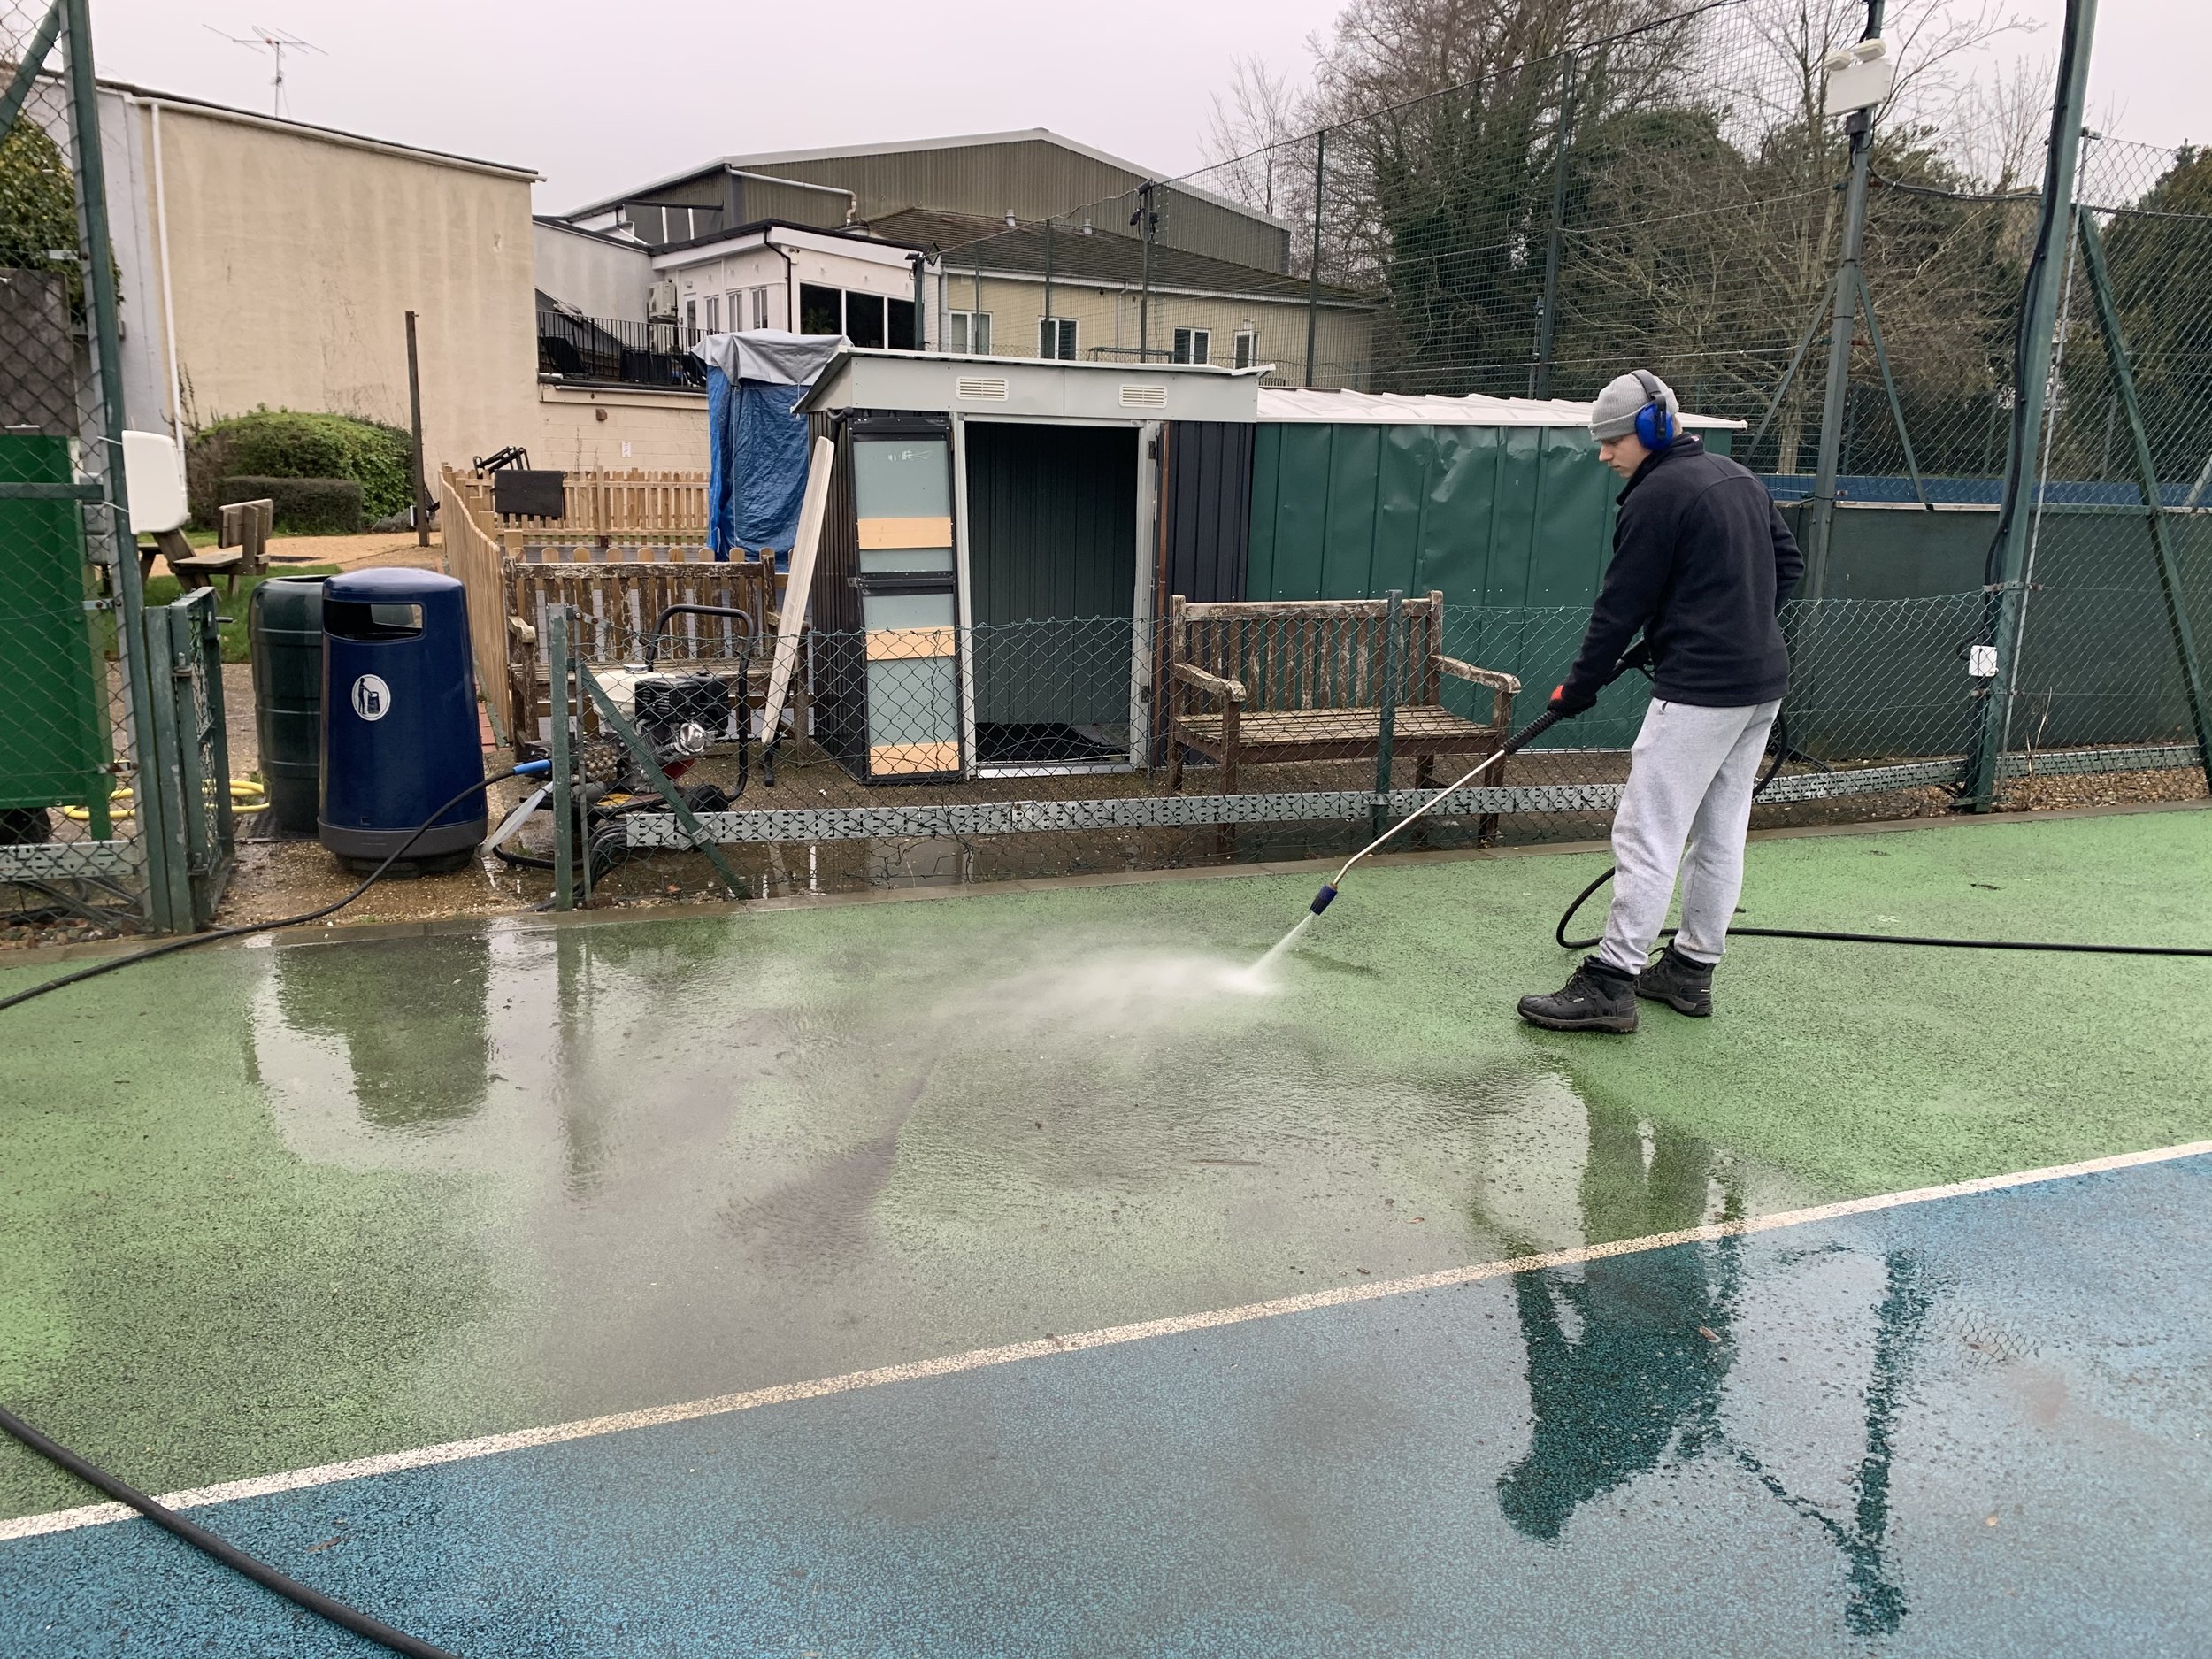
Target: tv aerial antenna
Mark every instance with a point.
(276, 42)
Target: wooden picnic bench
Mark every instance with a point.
(242, 545)
(1252, 683)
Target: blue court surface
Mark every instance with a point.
(1975, 1424)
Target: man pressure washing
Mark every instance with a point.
(1701, 563)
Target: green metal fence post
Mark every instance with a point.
(1313, 276)
(161, 797)
(155, 840)
(2146, 479)
(1379, 815)
(1556, 242)
(563, 797)
(2038, 322)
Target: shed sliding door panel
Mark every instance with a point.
(1052, 530)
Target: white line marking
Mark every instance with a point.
(979, 1359)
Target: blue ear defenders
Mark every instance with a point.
(1655, 427)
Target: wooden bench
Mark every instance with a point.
(242, 541)
(1258, 683)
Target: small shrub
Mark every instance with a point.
(305, 506)
(285, 444)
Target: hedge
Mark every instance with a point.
(285, 444)
(305, 506)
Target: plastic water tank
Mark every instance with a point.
(284, 621)
(400, 735)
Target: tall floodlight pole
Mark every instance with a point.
(1820, 524)
(2038, 325)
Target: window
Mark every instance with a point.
(821, 310)
(863, 318)
(1193, 345)
(691, 320)
(905, 334)
(1056, 337)
(1248, 349)
(968, 332)
(760, 308)
(733, 309)
(714, 314)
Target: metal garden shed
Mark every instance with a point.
(992, 548)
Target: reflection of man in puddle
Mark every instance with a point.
(1628, 1364)
(1621, 1361)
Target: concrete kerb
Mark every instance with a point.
(533, 921)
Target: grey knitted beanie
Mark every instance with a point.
(1614, 413)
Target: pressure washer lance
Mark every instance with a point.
(1638, 655)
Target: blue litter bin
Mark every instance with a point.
(399, 720)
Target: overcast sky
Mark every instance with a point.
(599, 98)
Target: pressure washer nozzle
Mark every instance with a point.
(1321, 899)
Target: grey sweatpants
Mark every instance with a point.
(1689, 783)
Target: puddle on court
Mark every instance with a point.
(724, 1154)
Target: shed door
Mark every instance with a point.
(1052, 534)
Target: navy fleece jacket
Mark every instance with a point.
(1701, 563)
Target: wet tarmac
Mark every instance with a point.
(271, 1208)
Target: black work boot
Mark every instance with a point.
(1684, 985)
(1598, 997)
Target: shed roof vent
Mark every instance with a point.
(991, 387)
(1144, 398)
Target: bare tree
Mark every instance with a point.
(1249, 133)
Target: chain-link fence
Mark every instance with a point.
(92, 833)
(1242, 733)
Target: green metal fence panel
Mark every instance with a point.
(1497, 516)
(53, 739)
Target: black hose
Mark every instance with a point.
(337, 1612)
(1781, 748)
(171, 946)
(267, 1576)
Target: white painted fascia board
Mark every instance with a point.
(706, 252)
(884, 253)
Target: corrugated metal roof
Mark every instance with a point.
(1410, 409)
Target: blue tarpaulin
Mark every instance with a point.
(756, 447)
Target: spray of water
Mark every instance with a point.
(1257, 972)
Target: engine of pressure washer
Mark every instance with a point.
(679, 716)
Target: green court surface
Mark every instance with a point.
(264, 1208)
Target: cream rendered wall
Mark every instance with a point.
(294, 257)
(1109, 317)
(577, 426)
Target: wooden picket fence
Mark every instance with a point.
(632, 544)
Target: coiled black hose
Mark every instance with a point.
(1774, 765)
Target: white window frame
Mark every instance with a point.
(1065, 331)
(1246, 351)
(963, 337)
(714, 314)
(760, 308)
(1192, 345)
(691, 317)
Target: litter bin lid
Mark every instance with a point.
(381, 584)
